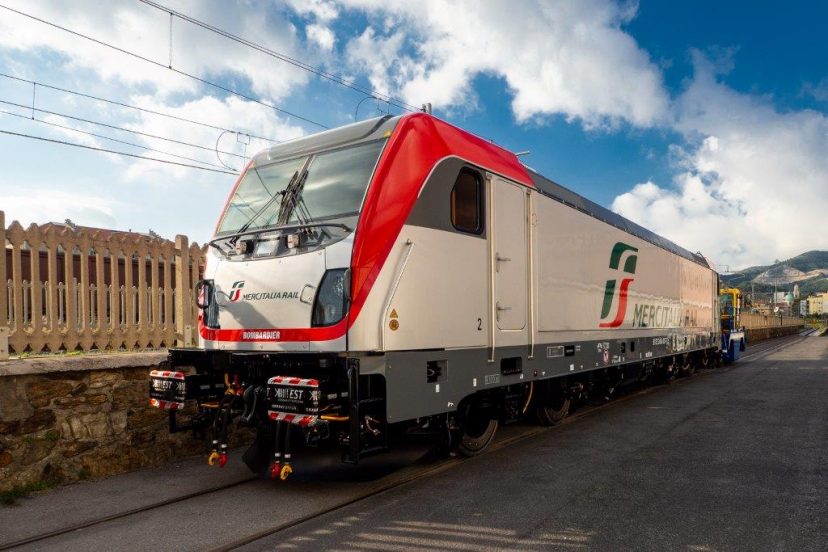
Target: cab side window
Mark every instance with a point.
(467, 202)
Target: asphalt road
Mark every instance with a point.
(733, 459)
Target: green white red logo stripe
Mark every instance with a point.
(235, 291)
(620, 251)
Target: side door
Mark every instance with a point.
(509, 263)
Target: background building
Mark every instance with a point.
(817, 303)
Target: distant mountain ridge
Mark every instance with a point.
(809, 270)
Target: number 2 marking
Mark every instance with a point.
(479, 324)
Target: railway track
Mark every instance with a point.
(529, 432)
(120, 515)
(397, 479)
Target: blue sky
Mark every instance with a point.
(704, 121)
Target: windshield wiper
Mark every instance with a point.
(292, 193)
(267, 204)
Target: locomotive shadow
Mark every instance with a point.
(325, 465)
(312, 465)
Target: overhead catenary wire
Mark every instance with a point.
(104, 150)
(135, 107)
(285, 58)
(173, 69)
(114, 127)
(110, 138)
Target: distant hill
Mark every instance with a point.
(812, 260)
(809, 270)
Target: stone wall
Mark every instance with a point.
(65, 419)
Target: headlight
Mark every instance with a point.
(332, 298)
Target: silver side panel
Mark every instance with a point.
(545, 268)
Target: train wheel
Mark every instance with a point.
(689, 365)
(478, 430)
(668, 371)
(552, 404)
(553, 412)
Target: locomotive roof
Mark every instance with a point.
(379, 127)
(362, 131)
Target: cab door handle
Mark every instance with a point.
(498, 260)
(500, 309)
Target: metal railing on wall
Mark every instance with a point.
(64, 288)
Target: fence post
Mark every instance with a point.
(4, 278)
(4, 292)
(183, 324)
(4, 343)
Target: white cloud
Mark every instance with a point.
(321, 35)
(94, 69)
(231, 113)
(145, 193)
(141, 29)
(322, 10)
(52, 205)
(568, 58)
(376, 56)
(751, 182)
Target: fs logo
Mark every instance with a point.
(235, 292)
(619, 250)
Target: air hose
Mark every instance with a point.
(528, 398)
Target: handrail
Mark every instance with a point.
(398, 276)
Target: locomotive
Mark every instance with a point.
(734, 341)
(400, 276)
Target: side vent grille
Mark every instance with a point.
(511, 365)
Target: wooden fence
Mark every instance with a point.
(766, 326)
(66, 289)
(753, 321)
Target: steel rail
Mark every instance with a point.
(120, 515)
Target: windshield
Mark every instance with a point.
(725, 303)
(333, 185)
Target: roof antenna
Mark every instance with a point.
(525, 152)
(359, 103)
(426, 108)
